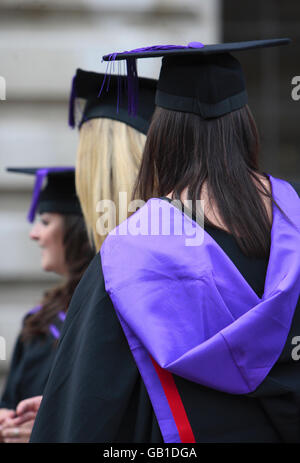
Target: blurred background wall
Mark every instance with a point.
(269, 74)
(43, 42)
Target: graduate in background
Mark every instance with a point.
(110, 148)
(65, 250)
(177, 342)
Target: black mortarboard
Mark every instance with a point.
(201, 79)
(105, 97)
(58, 195)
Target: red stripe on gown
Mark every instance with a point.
(178, 411)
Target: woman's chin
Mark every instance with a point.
(50, 267)
(46, 266)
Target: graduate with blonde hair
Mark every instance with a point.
(110, 147)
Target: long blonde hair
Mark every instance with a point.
(108, 159)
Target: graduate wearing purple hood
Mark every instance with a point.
(185, 326)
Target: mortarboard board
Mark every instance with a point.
(201, 79)
(58, 195)
(104, 98)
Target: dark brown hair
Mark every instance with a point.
(183, 151)
(78, 254)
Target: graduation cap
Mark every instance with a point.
(59, 193)
(197, 78)
(104, 96)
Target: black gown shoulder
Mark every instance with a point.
(296, 186)
(30, 367)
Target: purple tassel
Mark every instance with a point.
(119, 90)
(40, 176)
(154, 48)
(132, 75)
(132, 78)
(72, 104)
(111, 58)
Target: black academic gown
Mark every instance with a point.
(95, 392)
(30, 367)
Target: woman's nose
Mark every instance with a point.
(34, 232)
